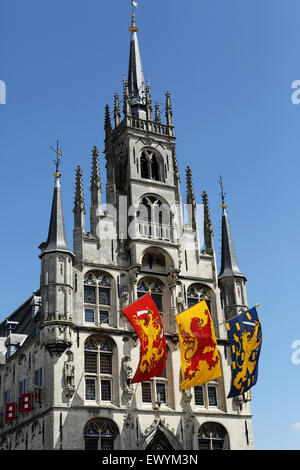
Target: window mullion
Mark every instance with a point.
(98, 376)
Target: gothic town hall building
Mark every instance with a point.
(67, 353)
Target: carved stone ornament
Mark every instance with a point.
(69, 375)
(124, 297)
(187, 396)
(127, 376)
(56, 337)
(180, 302)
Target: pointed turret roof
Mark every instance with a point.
(57, 235)
(136, 80)
(229, 263)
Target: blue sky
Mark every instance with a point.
(229, 65)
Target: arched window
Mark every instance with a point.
(100, 434)
(97, 298)
(151, 166)
(144, 167)
(156, 288)
(154, 218)
(196, 293)
(154, 169)
(213, 436)
(154, 260)
(121, 173)
(98, 368)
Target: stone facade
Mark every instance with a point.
(70, 348)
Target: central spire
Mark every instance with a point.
(136, 80)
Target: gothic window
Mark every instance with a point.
(156, 288)
(97, 298)
(154, 260)
(196, 293)
(159, 389)
(151, 166)
(121, 173)
(98, 368)
(154, 169)
(213, 436)
(144, 167)
(100, 434)
(154, 218)
(156, 390)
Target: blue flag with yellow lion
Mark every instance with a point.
(245, 337)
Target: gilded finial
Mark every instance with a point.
(222, 194)
(57, 161)
(133, 26)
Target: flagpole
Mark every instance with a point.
(256, 305)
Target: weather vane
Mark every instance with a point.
(133, 27)
(222, 194)
(57, 161)
(134, 4)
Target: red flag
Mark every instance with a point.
(145, 319)
(25, 404)
(10, 411)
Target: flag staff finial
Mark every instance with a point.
(57, 161)
(222, 194)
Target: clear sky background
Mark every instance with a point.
(229, 65)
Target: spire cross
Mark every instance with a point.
(222, 194)
(58, 160)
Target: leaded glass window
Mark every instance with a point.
(146, 392)
(104, 316)
(161, 391)
(104, 296)
(105, 390)
(212, 436)
(196, 293)
(90, 363)
(156, 288)
(212, 395)
(206, 395)
(89, 315)
(199, 396)
(97, 292)
(89, 295)
(100, 434)
(157, 389)
(105, 363)
(90, 389)
(98, 355)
